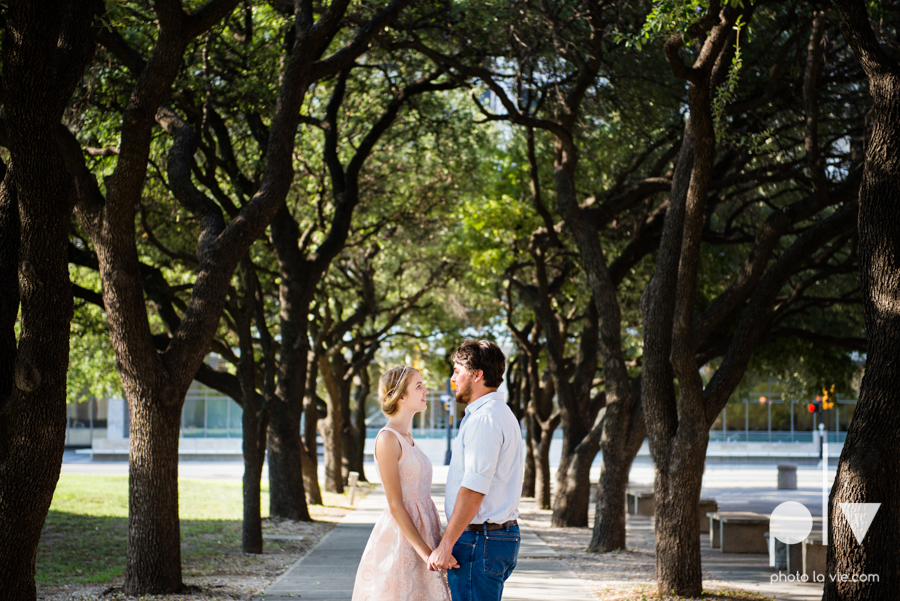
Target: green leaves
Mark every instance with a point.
(667, 18)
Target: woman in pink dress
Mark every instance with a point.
(393, 566)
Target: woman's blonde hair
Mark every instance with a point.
(392, 387)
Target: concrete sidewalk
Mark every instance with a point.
(327, 573)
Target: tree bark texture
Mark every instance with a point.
(867, 471)
(581, 440)
(623, 428)
(37, 195)
(529, 472)
(255, 415)
(287, 496)
(517, 398)
(332, 427)
(287, 472)
(153, 496)
(577, 410)
(679, 433)
(355, 432)
(544, 423)
(621, 441)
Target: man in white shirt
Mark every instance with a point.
(481, 543)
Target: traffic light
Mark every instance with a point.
(815, 406)
(828, 398)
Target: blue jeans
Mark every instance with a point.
(486, 559)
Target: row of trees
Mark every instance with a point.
(648, 202)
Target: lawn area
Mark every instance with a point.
(85, 535)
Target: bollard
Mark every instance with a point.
(787, 476)
(351, 481)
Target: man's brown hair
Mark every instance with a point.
(483, 355)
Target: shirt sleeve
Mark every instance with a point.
(482, 442)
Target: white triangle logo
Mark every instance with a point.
(860, 516)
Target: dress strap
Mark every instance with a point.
(400, 436)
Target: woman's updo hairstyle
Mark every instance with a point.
(392, 386)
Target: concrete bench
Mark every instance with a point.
(813, 556)
(738, 531)
(639, 501)
(706, 507)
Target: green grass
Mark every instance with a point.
(86, 531)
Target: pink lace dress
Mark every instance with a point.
(390, 569)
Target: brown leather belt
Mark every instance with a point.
(489, 526)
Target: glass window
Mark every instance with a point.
(217, 417)
(235, 427)
(193, 416)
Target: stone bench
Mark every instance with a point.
(738, 531)
(813, 556)
(706, 507)
(789, 558)
(639, 501)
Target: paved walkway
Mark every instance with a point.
(327, 573)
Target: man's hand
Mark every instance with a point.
(442, 558)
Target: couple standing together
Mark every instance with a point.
(406, 555)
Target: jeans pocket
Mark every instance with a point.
(464, 552)
(500, 553)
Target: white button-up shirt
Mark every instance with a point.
(488, 457)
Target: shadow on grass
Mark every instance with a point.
(86, 549)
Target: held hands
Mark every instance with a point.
(442, 559)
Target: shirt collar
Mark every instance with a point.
(482, 401)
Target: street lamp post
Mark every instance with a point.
(449, 400)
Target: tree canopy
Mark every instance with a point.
(650, 204)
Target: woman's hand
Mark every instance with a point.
(442, 559)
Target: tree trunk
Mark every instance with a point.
(355, 433)
(541, 451)
(310, 456)
(577, 414)
(253, 445)
(573, 485)
(287, 471)
(254, 455)
(677, 496)
(154, 536)
(623, 434)
(287, 496)
(310, 453)
(33, 381)
(678, 428)
(36, 200)
(868, 471)
(531, 432)
(609, 519)
(333, 439)
(332, 367)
